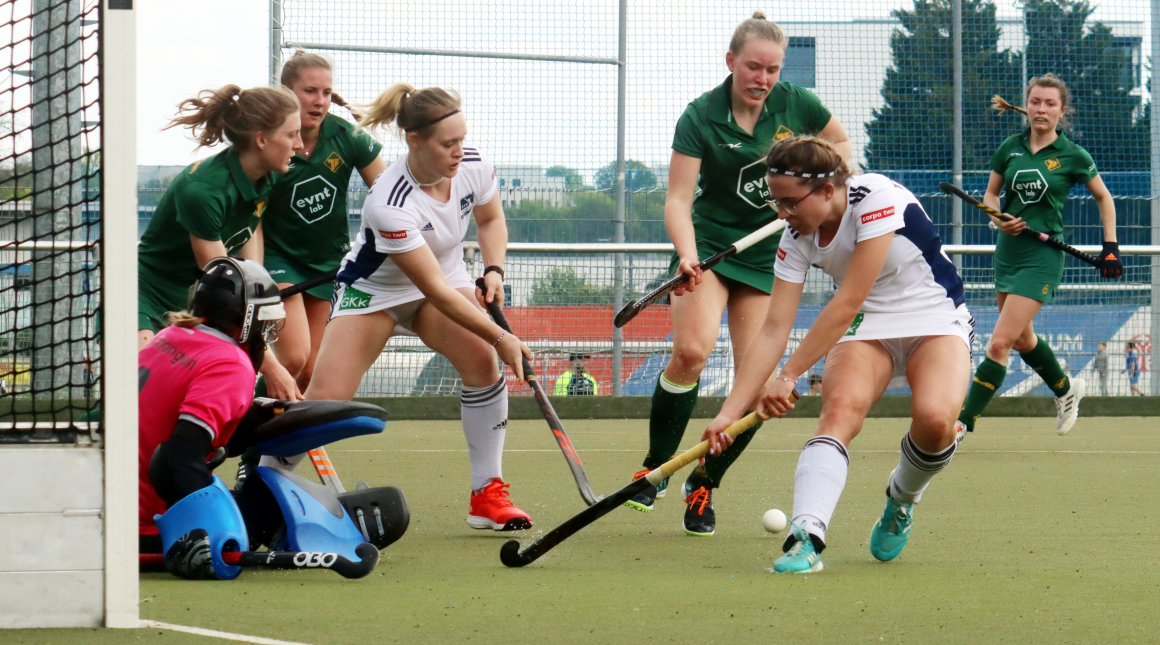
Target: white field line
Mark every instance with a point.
(213, 633)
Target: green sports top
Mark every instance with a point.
(1036, 184)
(307, 218)
(211, 199)
(732, 191)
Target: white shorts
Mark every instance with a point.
(900, 334)
(401, 304)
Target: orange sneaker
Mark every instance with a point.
(492, 509)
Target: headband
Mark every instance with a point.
(433, 121)
(804, 175)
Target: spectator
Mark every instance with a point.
(1132, 367)
(1100, 365)
(576, 381)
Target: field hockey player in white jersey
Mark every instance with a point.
(405, 274)
(898, 313)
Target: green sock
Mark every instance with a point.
(1042, 360)
(714, 469)
(988, 379)
(667, 420)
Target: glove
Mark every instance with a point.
(189, 557)
(1110, 265)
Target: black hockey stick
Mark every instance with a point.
(510, 553)
(546, 409)
(306, 285)
(952, 189)
(367, 553)
(634, 307)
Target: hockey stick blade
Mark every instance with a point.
(548, 412)
(367, 553)
(954, 190)
(634, 307)
(510, 553)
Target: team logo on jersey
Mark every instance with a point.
(855, 324)
(465, 205)
(736, 145)
(334, 162)
(238, 239)
(878, 214)
(427, 228)
(1029, 185)
(1014, 154)
(393, 235)
(782, 133)
(1051, 164)
(751, 184)
(780, 253)
(313, 199)
(354, 299)
(260, 207)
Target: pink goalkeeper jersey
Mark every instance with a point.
(198, 375)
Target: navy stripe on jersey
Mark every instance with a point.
(399, 192)
(365, 262)
(921, 233)
(471, 154)
(857, 194)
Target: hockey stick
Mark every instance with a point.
(952, 189)
(634, 307)
(320, 459)
(510, 553)
(306, 285)
(367, 553)
(549, 413)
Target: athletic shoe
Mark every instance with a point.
(892, 530)
(700, 520)
(644, 500)
(802, 556)
(491, 509)
(960, 431)
(1067, 406)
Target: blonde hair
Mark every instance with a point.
(410, 109)
(183, 319)
(758, 26)
(233, 114)
(813, 160)
(302, 60)
(1002, 106)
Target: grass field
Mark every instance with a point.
(1028, 537)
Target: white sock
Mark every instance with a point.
(484, 411)
(818, 483)
(915, 470)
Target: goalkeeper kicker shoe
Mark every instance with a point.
(700, 518)
(892, 530)
(644, 500)
(492, 509)
(802, 556)
(1067, 406)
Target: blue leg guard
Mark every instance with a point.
(306, 425)
(315, 520)
(213, 510)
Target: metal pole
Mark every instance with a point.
(275, 41)
(618, 271)
(957, 108)
(1154, 203)
(59, 171)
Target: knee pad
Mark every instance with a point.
(315, 520)
(211, 509)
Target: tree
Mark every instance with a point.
(914, 127)
(637, 177)
(563, 286)
(572, 179)
(1097, 74)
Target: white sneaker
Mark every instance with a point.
(1067, 406)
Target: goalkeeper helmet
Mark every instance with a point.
(239, 298)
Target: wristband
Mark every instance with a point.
(491, 267)
(497, 340)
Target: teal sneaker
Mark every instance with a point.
(802, 557)
(644, 500)
(892, 530)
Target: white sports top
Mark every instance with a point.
(917, 276)
(398, 216)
